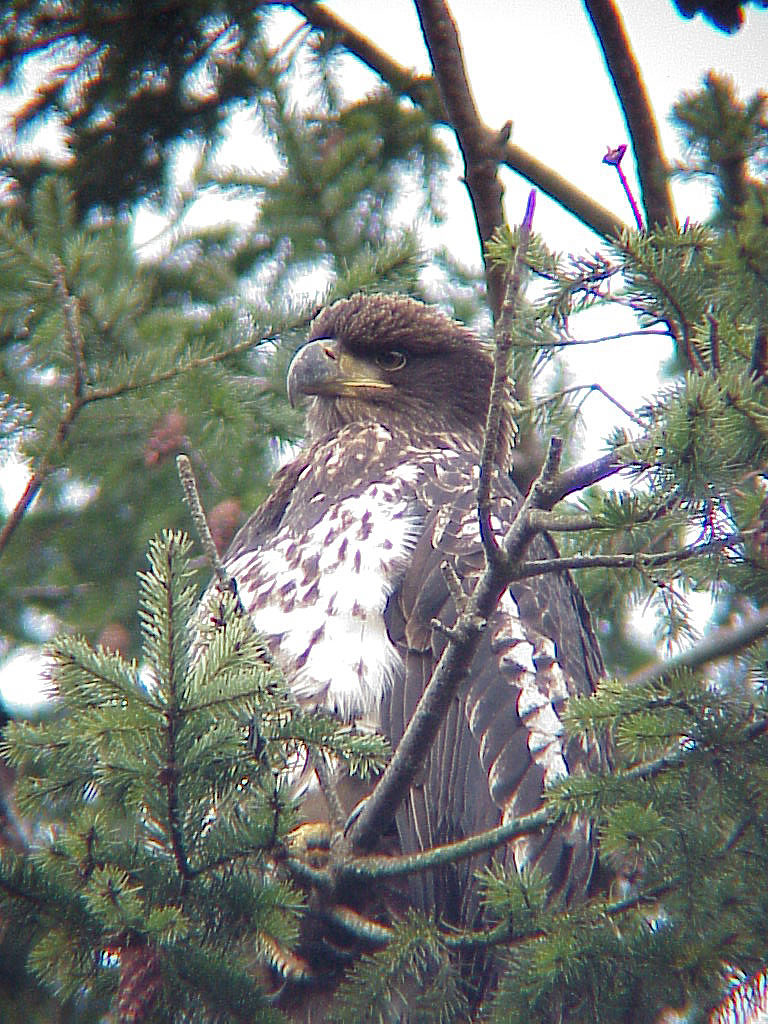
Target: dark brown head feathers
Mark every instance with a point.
(391, 321)
(438, 383)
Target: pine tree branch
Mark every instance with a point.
(75, 404)
(422, 90)
(480, 149)
(598, 912)
(170, 773)
(373, 868)
(82, 396)
(636, 106)
(722, 643)
(197, 363)
(684, 345)
(506, 933)
(551, 522)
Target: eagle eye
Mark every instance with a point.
(392, 359)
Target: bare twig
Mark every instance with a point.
(589, 388)
(613, 158)
(641, 332)
(422, 90)
(453, 583)
(640, 560)
(499, 391)
(636, 107)
(194, 503)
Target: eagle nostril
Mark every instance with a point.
(328, 350)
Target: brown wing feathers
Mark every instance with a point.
(496, 748)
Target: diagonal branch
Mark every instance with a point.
(448, 853)
(463, 639)
(722, 643)
(422, 90)
(636, 106)
(81, 396)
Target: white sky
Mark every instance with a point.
(537, 63)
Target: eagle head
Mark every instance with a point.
(392, 360)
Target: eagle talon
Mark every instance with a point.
(311, 842)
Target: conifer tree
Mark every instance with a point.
(147, 869)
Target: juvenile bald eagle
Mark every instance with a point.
(340, 568)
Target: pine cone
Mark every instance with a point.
(168, 437)
(140, 983)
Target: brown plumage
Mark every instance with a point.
(341, 569)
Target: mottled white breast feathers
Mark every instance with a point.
(319, 596)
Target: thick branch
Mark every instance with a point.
(481, 151)
(578, 477)
(423, 92)
(638, 113)
(457, 657)
(571, 198)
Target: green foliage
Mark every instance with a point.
(161, 794)
(411, 975)
(726, 139)
(85, 328)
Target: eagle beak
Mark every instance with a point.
(321, 368)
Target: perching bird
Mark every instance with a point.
(342, 570)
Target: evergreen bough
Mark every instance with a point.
(159, 794)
